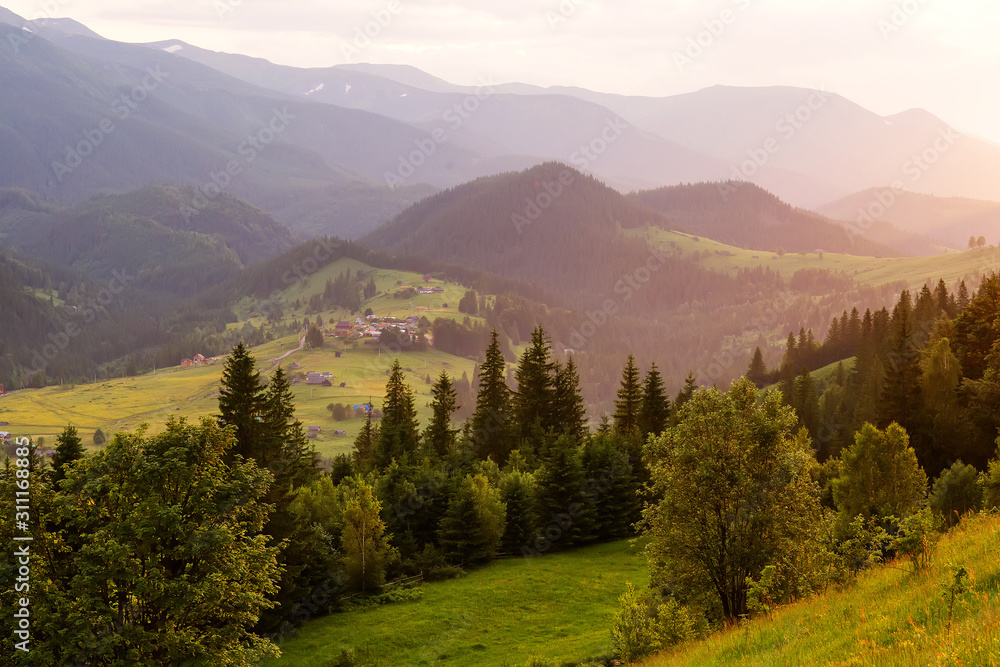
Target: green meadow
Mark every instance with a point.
(558, 607)
(892, 617)
(874, 271)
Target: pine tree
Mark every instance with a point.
(686, 393)
(491, 422)
(532, 404)
(473, 526)
(562, 503)
(806, 402)
(612, 491)
(365, 443)
(439, 437)
(69, 448)
(285, 449)
(757, 371)
(241, 401)
(654, 410)
(901, 390)
(629, 400)
(517, 491)
(399, 435)
(963, 296)
(569, 411)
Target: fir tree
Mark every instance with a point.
(365, 443)
(69, 448)
(629, 400)
(532, 404)
(491, 422)
(562, 503)
(686, 393)
(654, 411)
(399, 435)
(241, 401)
(901, 390)
(439, 437)
(569, 411)
(757, 371)
(517, 491)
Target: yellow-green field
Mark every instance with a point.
(891, 617)
(874, 271)
(122, 404)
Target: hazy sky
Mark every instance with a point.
(888, 56)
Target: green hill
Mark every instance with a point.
(558, 608)
(746, 215)
(890, 617)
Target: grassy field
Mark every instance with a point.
(914, 271)
(892, 617)
(121, 404)
(558, 607)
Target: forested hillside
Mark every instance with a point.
(745, 215)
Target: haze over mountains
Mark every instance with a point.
(348, 133)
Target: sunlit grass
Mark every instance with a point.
(891, 617)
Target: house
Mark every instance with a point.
(296, 380)
(314, 378)
(326, 374)
(315, 429)
(311, 436)
(340, 432)
(295, 365)
(427, 277)
(326, 383)
(338, 355)
(4, 423)
(343, 328)
(187, 362)
(438, 289)
(199, 359)
(343, 385)
(426, 290)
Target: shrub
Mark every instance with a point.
(956, 491)
(99, 437)
(632, 631)
(673, 624)
(990, 481)
(345, 659)
(917, 537)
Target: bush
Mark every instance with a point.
(990, 481)
(99, 437)
(632, 631)
(917, 537)
(956, 491)
(345, 659)
(673, 624)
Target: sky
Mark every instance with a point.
(888, 56)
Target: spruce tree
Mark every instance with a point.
(901, 390)
(569, 413)
(565, 512)
(629, 401)
(399, 435)
(532, 403)
(365, 444)
(491, 422)
(241, 401)
(654, 411)
(757, 371)
(686, 393)
(611, 489)
(69, 448)
(439, 438)
(517, 491)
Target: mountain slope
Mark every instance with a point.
(745, 215)
(891, 616)
(144, 233)
(950, 220)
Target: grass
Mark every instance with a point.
(873, 271)
(121, 404)
(892, 617)
(558, 607)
